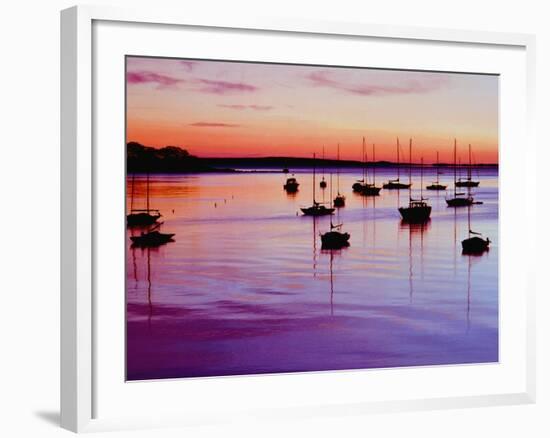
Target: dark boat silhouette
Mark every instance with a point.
(418, 210)
(317, 209)
(141, 217)
(436, 185)
(339, 200)
(458, 199)
(323, 183)
(358, 185)
(468, 182)
(334, 238)
(285, 170)
(151, 238)
(370, 189)
(396, 184)
(291, 185)
(474, 244)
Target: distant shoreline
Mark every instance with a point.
(173, 159)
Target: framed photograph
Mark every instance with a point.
(252, 210)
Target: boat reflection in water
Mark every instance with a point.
(246, 287)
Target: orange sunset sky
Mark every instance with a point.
(235, 109)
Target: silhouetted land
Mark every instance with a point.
(173, 159)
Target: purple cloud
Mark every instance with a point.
(224, 87)
(214, 125)
(188, 65)
(323, 79)
(147, 77)
(243, 107)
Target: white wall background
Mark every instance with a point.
(29, 193)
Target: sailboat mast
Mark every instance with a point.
(338, 170)
(147, 192)
(132, 196)
(454, 167)
(437, 167)
(469, 162)
(421, 176)
(410, 167)
(373, 165)
(363, 159)
(313, 190)
(365, 166)
(323, 162)
(398, 170)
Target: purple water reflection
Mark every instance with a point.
(245, 288)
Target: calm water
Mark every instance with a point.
(245, 288)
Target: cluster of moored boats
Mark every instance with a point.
(417, 211)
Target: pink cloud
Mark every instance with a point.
(214, 125)
(323, 79)
(243, 107)
(147, 77)
(224, 87)
(188, 65)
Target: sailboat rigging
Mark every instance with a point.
(436, 184)
(394, 184)
(474, 244)
(357, 187)
(317, 209)
(340, 200)
(418, 210)
(459, 199)
(141, 217)
(334, 238)
(370, 189)
(468, 182)
(323, 183)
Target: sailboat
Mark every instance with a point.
(436, 185)
(368, 188)
(458, 199)
(393, 184)
(474, 244)
(141, 217)
(317, 209)
(468, 182)
(334, 238)
(152, 238)
(340, 200)
(357, 187)
(418, 210)
(323, 183)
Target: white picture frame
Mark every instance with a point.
(79, 232)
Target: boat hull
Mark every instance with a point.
(371, 191)
(459, 202)
(475, 245)
(291, 187)
(317, 211)
(334, 240)
(396, 186)
(415, 214)
(339, 201)
(467, 183)
(151, 239)
(436, 187)
(137, 219)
